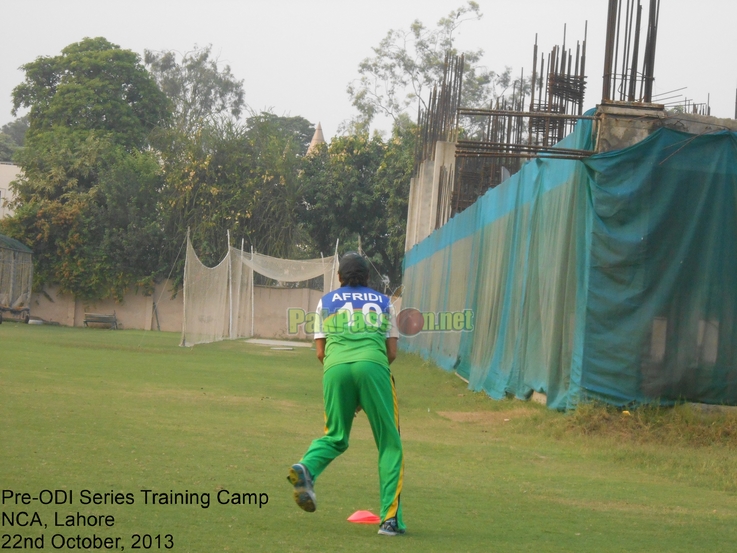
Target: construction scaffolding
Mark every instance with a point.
(492, 144)
(621, 74)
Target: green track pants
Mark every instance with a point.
(371, 386)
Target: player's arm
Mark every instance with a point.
(391, 349)
(392, 336)
(319, 334)
(320, 348)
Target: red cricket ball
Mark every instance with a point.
(410, 321)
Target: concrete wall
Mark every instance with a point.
(422, 212)
(137, 311)
(622, 124)
(270, 310)
(8, 173)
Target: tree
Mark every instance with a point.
(7, 147)
(12, 137)
(85, 198)
(359, 185)
(393, 180)
(241, 178)
(201, 91)
(207, 189)
(407, 63)
(16, 130)
(93, 85)
(277, 146)
(93, 230)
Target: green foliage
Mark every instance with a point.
(206, 189)
(86, 198)
(115, 172)
(286, 129)
(92, 85)
(682, 425)
(201, 92)
(16, 130)
(238, 178)
(277, 145)
(393, 183)
(128, 207)
(222, 175)
(408, 63)
(359, 185)
(7, 147)
(87, 208)
(12, 137)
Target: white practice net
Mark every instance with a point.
(16, 278)
(219, 301)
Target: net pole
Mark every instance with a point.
(335, 260)
(240, 288)
(184, 294)
(230, 290)
(253, 296)
(324, 279)
(11, 298)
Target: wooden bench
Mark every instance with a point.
(99, 318)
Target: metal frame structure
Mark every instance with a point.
(622, 75)
(491, 144)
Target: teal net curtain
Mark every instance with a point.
(611, 279)
(662, 285)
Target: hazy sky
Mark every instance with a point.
(297, 56)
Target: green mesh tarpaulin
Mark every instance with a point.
(611, 279)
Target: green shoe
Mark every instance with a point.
(304, 495)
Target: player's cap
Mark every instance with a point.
(353, 264)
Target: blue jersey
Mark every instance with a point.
(355, 321)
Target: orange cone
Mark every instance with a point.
(364, 517)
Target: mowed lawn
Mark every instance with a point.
(124, 411)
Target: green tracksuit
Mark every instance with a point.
(355, 374)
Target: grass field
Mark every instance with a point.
(99, 410)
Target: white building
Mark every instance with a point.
(8, 173)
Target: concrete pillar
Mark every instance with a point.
(425, 221)
(409, 239)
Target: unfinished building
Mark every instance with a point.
(600, 266)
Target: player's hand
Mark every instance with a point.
(358, 410)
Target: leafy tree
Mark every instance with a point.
(359, 185)
(296, 129)
(241, 178)
(12, 137)
(407, 63)
(277, 146)
(7, 147)
(132, 237)
(392, 186)
(16, 130)
(202, 92)
(207, 189)
(93, 85)
(84, 200)
(93, 228)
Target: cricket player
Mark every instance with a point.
(356, 340)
